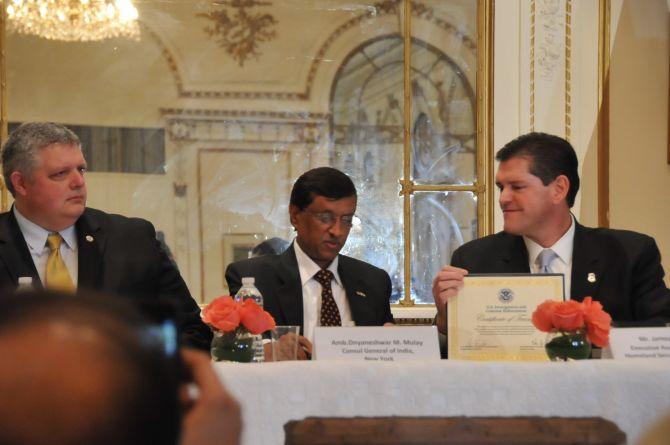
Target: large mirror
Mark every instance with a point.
(203, 122)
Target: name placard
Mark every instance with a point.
(376, 344)
(646, 343)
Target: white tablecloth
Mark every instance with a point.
(633, 394)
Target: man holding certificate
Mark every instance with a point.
(538, 181)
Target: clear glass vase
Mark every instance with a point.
(236, 346)
(570, 345)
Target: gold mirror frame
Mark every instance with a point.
(4, 196)
(484, 91)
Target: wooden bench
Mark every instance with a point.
(453, 431)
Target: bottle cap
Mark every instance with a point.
(248, 280)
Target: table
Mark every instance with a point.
(632, 393)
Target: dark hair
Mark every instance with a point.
(145, 406)
(549, 156)
(321, 181)
(272, 246)
(20, 150)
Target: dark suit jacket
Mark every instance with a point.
(627, 266)
(278, 279)
(122, 258)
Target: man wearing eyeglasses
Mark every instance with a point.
(311, 284)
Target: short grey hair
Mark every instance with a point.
(19, 153)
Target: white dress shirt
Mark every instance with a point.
(562, 263)
(311, 293)
(36, 239)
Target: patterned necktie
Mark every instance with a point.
(57, 276)
(330, 315)
(544, 260)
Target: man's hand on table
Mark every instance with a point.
(304, 348)
(284, 349)
(447, 283)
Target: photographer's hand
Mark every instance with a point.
(214, 416)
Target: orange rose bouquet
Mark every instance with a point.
(572, 327)
(235, 325)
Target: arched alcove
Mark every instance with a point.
(366, 136)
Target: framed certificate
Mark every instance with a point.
(490, 318)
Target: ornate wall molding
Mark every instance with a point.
(383, 8)
(166, 53)
(181, 128)
(568, 68)
(299, 116)
(550, 65)
(181, 221)
(548, 40)
(531, 83)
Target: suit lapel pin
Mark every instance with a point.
(591, 278)
(360, 294)
(89, 238)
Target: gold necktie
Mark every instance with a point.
(57, 276)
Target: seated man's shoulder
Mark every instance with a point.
(114, 220)
(484, 255)
(628, 239)
(484, 244)
(356, 264)
(262, 262)
(118, 229)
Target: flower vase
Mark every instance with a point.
(235, 346)
(564, 346)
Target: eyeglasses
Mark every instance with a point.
(329, 219)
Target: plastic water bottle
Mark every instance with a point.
(249, 290)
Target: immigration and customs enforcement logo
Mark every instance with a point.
(505, 295)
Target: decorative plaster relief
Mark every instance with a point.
(550, 41)
(238, 29)
(234, 130)
(550, 78)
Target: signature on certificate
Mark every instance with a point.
(509, 318)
